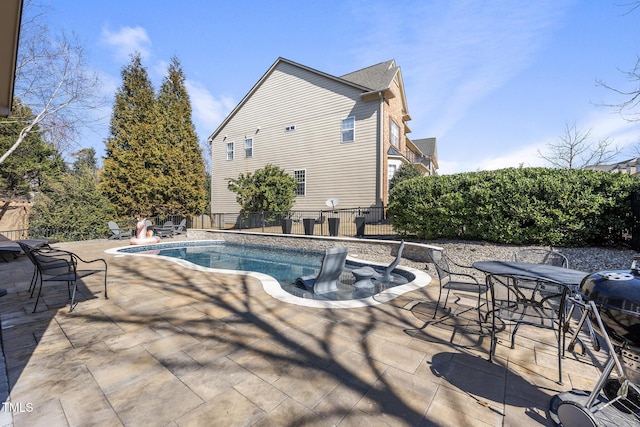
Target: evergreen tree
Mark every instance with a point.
(132, 175)
(183, 172)
(72, 203)
(32, 160)
(85, 161)
(270, 189)
(405, 171)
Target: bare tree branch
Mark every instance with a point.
(632, 6)
(575, 151)
(54, 81)
(628, 109)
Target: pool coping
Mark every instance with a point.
(272, 287)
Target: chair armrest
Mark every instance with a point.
(460, 265)
(91, 260)
(468, 276)
(75, 257)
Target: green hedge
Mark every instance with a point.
(558, 207)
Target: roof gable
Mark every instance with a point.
(376, 77)
(266, 75)
(426, 145)
(370, 80)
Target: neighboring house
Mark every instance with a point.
(630, 166)
(339, 137)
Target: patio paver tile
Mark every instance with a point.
(261, 393)
(291, 412)
(215, 378)
(391, 354)
(229, 409)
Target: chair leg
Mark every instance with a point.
(73, 296)
(105, 282)
(446, 300)
(38, 297)
(480, 305)
(34, 282)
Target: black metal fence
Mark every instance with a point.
(60, 234)
(370, 221)
(353, 222)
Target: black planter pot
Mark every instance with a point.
(286, 225)
(308, 225)
(360, 221)
(334, 226)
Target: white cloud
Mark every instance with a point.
(605, 125)
(208, 111)
(127, 41)
(453, 54)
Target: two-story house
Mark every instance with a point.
(339, 137)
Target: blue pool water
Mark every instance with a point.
(283, 264)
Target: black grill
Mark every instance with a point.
(616, 293)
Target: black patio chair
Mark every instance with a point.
(56, 265)
(541, 256)
(457, 277)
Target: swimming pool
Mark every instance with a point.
(282, 264)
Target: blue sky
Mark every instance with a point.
(493, 81)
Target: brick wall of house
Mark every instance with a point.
(393, 110)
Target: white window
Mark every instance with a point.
(248, 147)
(349, 129)
(300, 176)
(391, 170)
(230, 150)
(395, 134)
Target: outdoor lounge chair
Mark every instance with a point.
(8, 246)
(56, 265)
(180, 228)
(118, 233)
(12, 246)
(364, 274)
(327, 279)
(166, 230)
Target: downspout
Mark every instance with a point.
(210, 141)
(380, 161)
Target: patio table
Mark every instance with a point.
(508, 272)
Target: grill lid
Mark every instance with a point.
(617, 295)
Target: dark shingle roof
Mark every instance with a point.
(426, 145)
(392, 151)
(376, 77)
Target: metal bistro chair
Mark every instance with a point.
(56, 265)
(36, 272)
(525, 301)
(541, 256)
(553, 257)
(535, 297)
(455, 279)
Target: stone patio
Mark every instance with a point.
(175, 346)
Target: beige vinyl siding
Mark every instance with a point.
(316, 106)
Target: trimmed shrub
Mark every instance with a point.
(558, 207)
